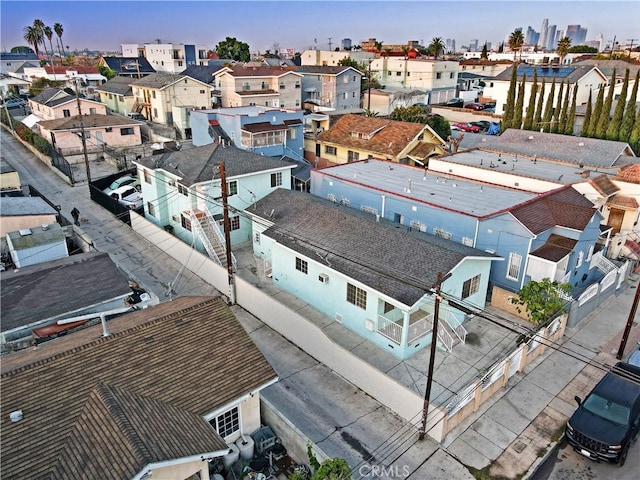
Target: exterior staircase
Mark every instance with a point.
(451, 332)
(206, 229)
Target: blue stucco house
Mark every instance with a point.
(182, 192)
(273, 132)
(539, 235)
(367, 273)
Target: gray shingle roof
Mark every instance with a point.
(48, 93)
(157, 80)
(53, 288)
(202, 73)
(191, 354)
(195, 165)
(19, 206)
(383, 255)
(129, 65)
(117, 85)
(554, 146)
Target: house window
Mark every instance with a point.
(234, 223)
(232, 188)
(580, 258)
(246, 86)
(126, 131)
(352, 156)
(110, 96)
(297, 84)
(66, 113)
(345, 95)
(183, 190)
(276, 179)
(353, 94)
(451, 75)
(282, 86)
(357, 296)
(92, 111)
(179, 63)
(470, 287)
(398, 74)
(202, 92)
(355, 78)
(147, 176)
(155, 113)
(438, 75)
(513, 271)
(297, 102)
(185, 222)
(256, 238)
(108, 129)
(292, 133)
(388, 307)
(330, 150)
(151, 209)
(153, 94)
(302, 265)
(228, 423)
(590, 253)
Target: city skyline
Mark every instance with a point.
(303, 25)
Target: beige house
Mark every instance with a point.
(278, 87)
(438, 78)
(169, 388)
(102, 132)
(354, 137)
(54, 103)
(18, 213)
(9, 178)
(167, 98)
(623, 211)
(84, 78)
(587, 78)
(332, 58)
(117, 95)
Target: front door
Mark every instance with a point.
(615, 219)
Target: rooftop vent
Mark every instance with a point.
(15, 416)
(530, 137)
(25, 231)
(45, 226)
(581, 144)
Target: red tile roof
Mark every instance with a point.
(380, 136)
(629, 174)
(623, 201)
(563, 207)
(61, 70)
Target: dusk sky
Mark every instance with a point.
(105, 25)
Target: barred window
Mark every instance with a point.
(302, 265)
(470, 287)
(228, 423)
(357, 296)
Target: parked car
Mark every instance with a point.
(14, 103)
(489, 105)
(465, 127)
(483, 125)
(137, 116)
(455, 102)
(121, 182)
(608, 420)
(490, 110)
(128, 196)
(474, 106)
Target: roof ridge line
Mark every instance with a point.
(101, 339)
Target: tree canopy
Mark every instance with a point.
(542, 300)
(230, 48)
(516, 41)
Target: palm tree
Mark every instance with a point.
(57, 27)
(33, 36)
(516, 40)
(49, 34)
(563, 48)
(436, 46)
(39, 24)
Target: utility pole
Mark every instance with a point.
(84, 140)
(613, 45)
(631, 40)
(227, 234)
(627, 328)
(330, 43)
(434, 341)
(6, 110)
(369, 87)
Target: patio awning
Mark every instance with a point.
(31, 120)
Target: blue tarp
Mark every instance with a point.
(494, 129)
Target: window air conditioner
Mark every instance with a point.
(323, 278)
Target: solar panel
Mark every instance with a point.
(558, 72)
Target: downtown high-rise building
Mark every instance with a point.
(531, 36)
(544, 31)
(577, 34)
(346, 44)
(551, 38)
(450, 45)
(473, 45)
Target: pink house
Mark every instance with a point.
(55, 103)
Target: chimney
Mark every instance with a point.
(585, 173)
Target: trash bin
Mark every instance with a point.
(169, 228)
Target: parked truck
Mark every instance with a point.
(608, 420)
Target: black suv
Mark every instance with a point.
(605, 424)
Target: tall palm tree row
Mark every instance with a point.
(564, 44)
(36, 34)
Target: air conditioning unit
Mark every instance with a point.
(368, 324)
(339, 317)
(323, 278)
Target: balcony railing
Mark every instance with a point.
(420, 324)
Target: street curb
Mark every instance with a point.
(540, 461)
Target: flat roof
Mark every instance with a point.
(476, 199)
(525, 166)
